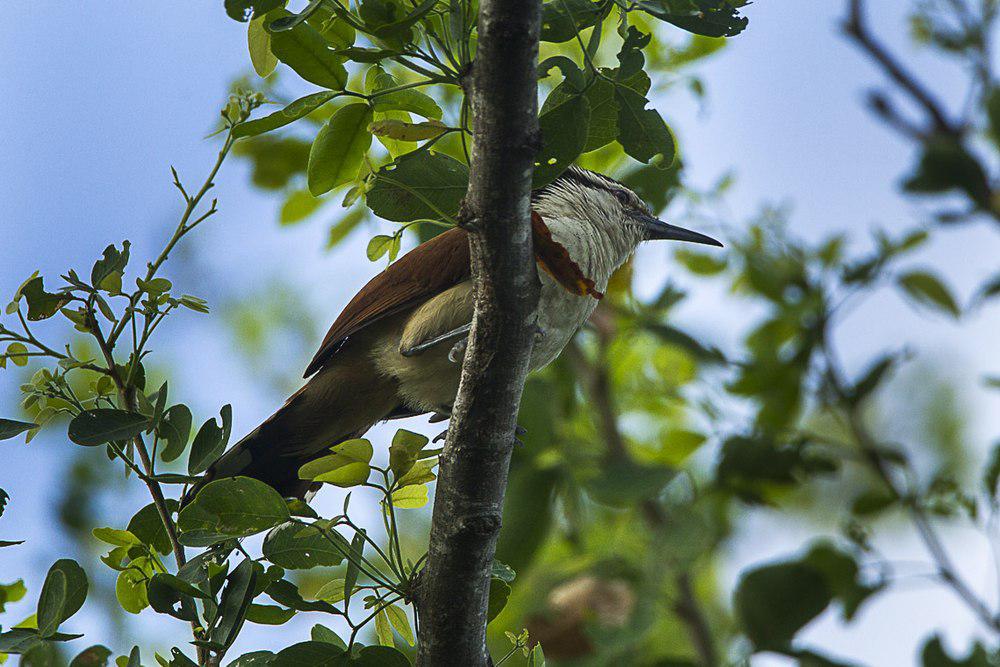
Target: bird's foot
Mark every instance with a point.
(457, 352)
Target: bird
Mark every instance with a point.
(396, 349)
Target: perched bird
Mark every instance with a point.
(396, 349)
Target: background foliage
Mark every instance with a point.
(646, 447)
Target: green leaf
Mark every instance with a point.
(499, 593)
(927, 289)
(383, 631)
(378, 80)
(10, 428)
(41, 304)
(232, 507)
(711, 18)
(410, 497)
(304, 50)
(116, 537)
(174, 429)
(403, 451)
(309, 654)
(642, 132)
(50, 603)
(210, 442)
(420, 473)
(102, 425)
(242, 10)
(563, 19)
(268, 614)
(409, 132)
(339, 149)
(775, 601)
(298, 547)
(130, 588)
(259, 45)
(148, 526)
(168, 594)
(236, 598)
(378, 246)
(321, 633)
(95, 656)
(564, 135)
(17, 353)
(422, 184)
(300, 108)
(107, 271)
(348, 465)
(351, 574)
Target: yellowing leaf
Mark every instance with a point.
(410, 497)
(397, 129)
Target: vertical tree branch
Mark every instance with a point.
(454, 588)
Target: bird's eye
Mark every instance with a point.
(623, 198)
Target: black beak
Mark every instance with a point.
(657, 230)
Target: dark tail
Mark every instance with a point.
(337, 404)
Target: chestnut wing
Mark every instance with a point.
(429, 269)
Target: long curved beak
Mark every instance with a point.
(657, 230)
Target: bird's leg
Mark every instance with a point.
(460, 332)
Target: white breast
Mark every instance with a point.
(560, 316)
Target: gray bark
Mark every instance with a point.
(454, 586)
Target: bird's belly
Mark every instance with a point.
(560, 316)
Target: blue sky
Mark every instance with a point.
(98, 102)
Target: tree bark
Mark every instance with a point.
(454, 586)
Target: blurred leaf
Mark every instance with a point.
(775, 601)
(339, 148)
(623, 482)
(232, 507)
(397, 617)
(750, 466)
(927, 289)
(102, 425)
(418, 185)
(946, 165)
(934, 655)
(299, 205)
(699, 263)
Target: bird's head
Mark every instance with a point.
(617, 215)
